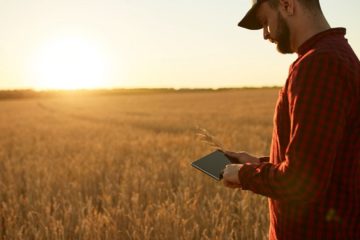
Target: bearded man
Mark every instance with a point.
(312, 176)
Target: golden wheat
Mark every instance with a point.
(205, 136)
(118, 167)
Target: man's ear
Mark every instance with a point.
(287, 6)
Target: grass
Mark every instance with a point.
(118, 166)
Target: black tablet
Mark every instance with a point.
(212, 164)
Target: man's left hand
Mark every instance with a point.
(231, 175)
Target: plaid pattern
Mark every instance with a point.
(312, 178)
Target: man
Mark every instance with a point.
(312, 177)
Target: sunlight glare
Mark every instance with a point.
(69, 63)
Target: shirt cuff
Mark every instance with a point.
(245, 174)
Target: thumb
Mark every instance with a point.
(233, 157)
(231, 154)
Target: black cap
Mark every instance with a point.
(250, 21)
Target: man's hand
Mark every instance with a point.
(241, 157)
(230, 175)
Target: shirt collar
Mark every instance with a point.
(308, 44)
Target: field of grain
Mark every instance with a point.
(118, 167)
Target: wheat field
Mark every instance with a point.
(118, 166)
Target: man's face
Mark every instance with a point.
(275, 28)
(283, 36)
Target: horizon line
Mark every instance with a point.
(133, 88)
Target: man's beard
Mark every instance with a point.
(283, 36)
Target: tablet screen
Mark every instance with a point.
(212, 164)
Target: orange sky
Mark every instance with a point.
(116, 43)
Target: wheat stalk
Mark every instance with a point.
(209, 139)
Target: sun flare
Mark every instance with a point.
(69, 63)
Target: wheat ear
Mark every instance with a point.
(206, 137)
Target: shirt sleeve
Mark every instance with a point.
(318, 100)
(264, 159)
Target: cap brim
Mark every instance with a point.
(250, 21)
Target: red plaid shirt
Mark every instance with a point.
(313, 176)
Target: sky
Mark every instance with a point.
(144, 43)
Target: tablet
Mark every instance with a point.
(212, 164)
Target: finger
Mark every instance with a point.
(233, 157)
(225, 172)
(222, 174)
(231, 185)
(226, 183)
(229, 153)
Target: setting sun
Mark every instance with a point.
(69, 63)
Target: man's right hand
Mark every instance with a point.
(241, 157)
